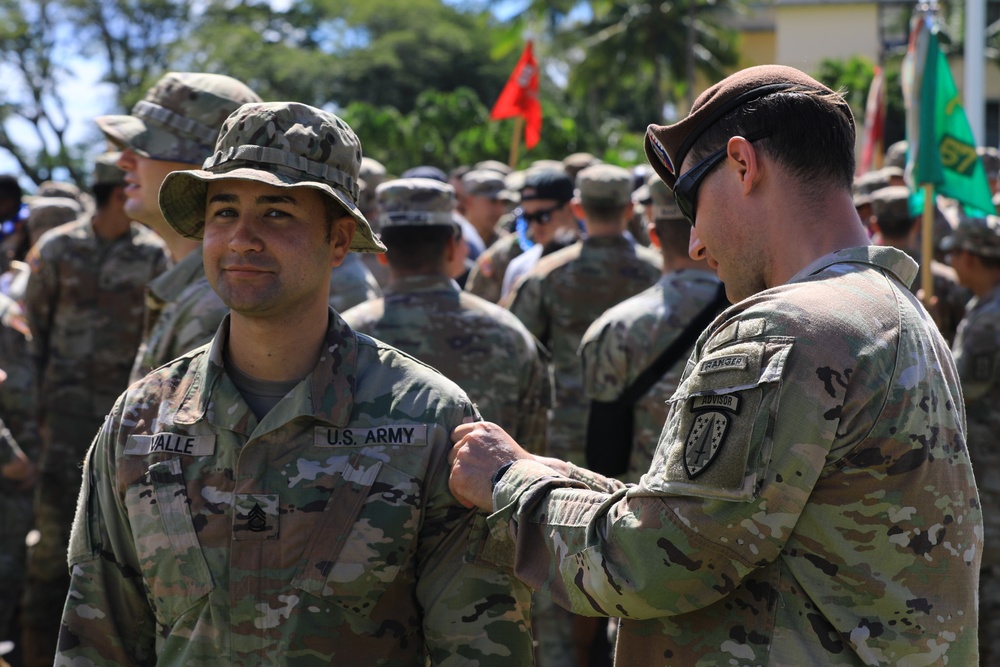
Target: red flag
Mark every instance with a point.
(520, 97)
(871, 148)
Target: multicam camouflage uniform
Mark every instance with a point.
(626, 339)
(83, 302)
(182, 313)
(352, 283)
(19, 430)
(476, 344)
(977, 356)
(486, 277)
(324, 533)
(558, 299)
(811, 501)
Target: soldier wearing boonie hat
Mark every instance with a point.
(287, 430)
(817, 419)
(974, 252)
(173, 127)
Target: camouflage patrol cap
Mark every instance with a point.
(867, 183)
(574, 163)
(891, 204)
(372, 171)
(180, 117)
(895, 155)
(415, 202)
(978, 235)
(50, 212)
(483, 183)
(604, 185)
(990, 158)
(57, 189)
(664, 205)
(106, 170)
(493, 165)
(666, 146)
(284, 144)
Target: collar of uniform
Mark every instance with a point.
(428, 283)
(327, 394)
(892, 260)
(608, 241)
(168, 285)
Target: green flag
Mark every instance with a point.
(942, 147)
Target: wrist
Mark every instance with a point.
(501, 471)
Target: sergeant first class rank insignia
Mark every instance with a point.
(708, 431)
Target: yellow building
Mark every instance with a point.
(803, 33)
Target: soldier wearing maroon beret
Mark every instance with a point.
(811, 499)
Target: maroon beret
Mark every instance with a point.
(668, 145)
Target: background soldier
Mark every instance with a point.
(84, 303)
(476, 344)
(974, 251)
(622, 343)
(173, 128)
(280, 496)
(482, 205)
(19, 450)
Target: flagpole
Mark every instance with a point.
(927, 244)
(515, 141)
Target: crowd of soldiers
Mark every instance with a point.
(545, 294)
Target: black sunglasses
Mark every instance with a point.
(686, 187)
(541, 217)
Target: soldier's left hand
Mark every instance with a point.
(481, 448)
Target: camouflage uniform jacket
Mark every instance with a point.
(189, 314)
(323, 534)
(352, 283)
(474, 343)
(977, 356)
(18, 396)
(558, 299)
(626, 339)
(811, 500)
(486, 277)
(84, 302)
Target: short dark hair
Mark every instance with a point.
(102, 193)
(674, 235)
(10, 188)
(603, 215)
(417, 248)
(801, 128)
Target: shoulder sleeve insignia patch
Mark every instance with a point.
(708, 431)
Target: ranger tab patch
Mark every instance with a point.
(391, 434)
(708, 430)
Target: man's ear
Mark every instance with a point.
(747, 160)
(341, 233)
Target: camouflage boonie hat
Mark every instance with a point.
(664, 205)
(483, 183)
(106, 170)
(604, 185)
(180, 117)
(415, 202)
(978, 235)
(284, 144)
(891, 204)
